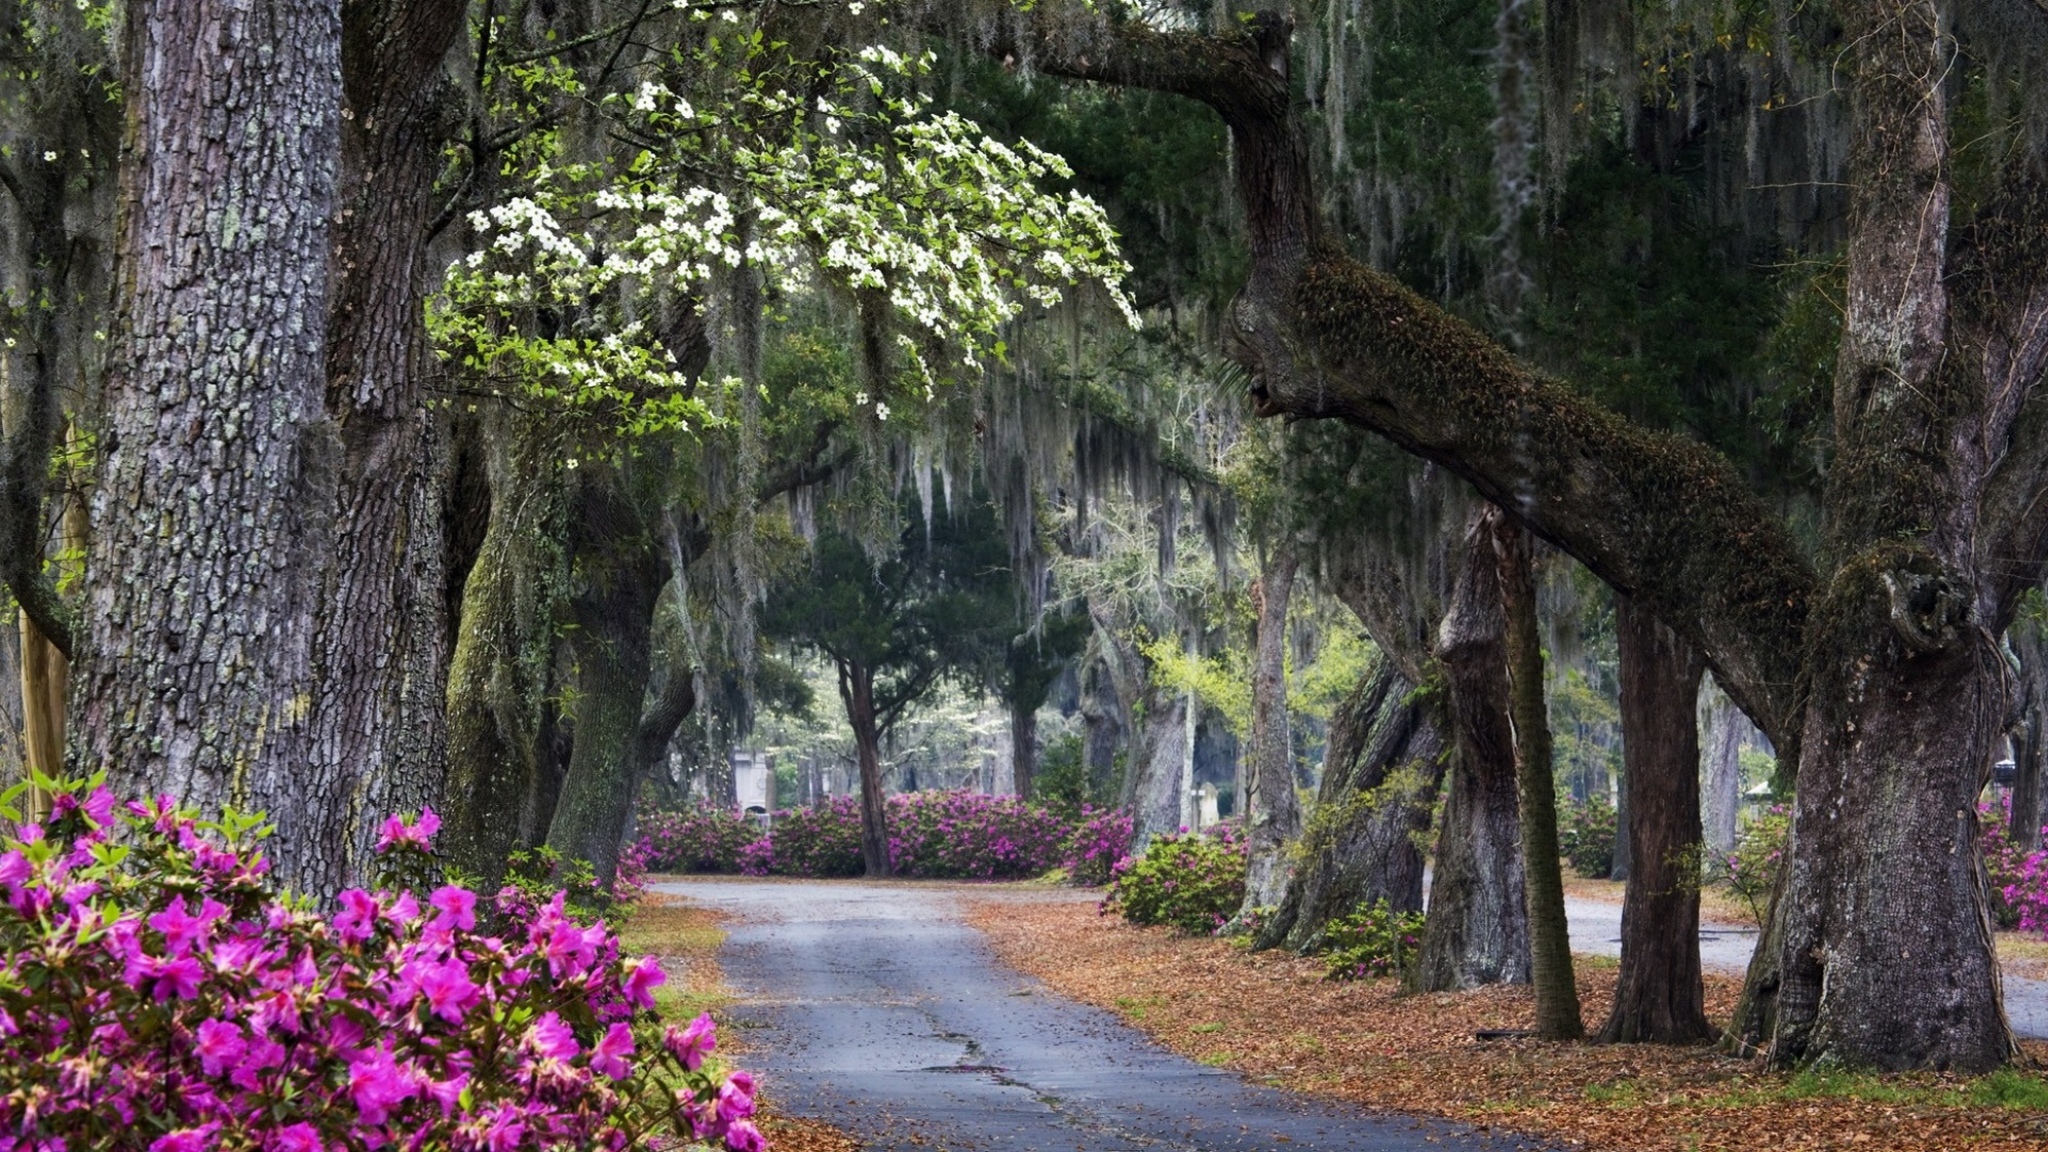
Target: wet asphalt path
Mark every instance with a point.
(874, 1007)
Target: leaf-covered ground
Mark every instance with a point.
(686, 938)
(1271, 1016)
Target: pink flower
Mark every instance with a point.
(357, 920)
(742, 1136)
(448, 990)
(397, 830)
(643, 976)
(173, 979)
(734, 1104)
(552, 1039)
(184, 1139)
(378, 1084)
(300, 1137)
(219, 1045)
(456, 908)
(691, 1045)
(608, 1055)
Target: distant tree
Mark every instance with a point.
(894, 626)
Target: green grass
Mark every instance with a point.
(2009, 1088)
(1212, 1026)
(1216, 1059)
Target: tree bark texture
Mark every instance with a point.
(1725, 730)
(1152, 774)
(211, 511)
(1659, 996)
(380, 652)
(1477, 932)
(1275, 816)
(1550, 950)
(2029, 734)
(619, 574)
(1384, 765)
(499, 677)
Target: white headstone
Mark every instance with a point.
(1206, 814)
(753, 781)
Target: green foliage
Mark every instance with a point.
(1062, 783)
(1751, 871)
(1585, 835)
(1371, 943)
(539, 873)
(1190, 882)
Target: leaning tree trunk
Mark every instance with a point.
(1659, 996)
(1275, 814)
(210, 515)
(1477, 932)
(1550, 950)
(1384, 764)
(380, 654)
(1152, 774)
(857, 691)
(619, 574)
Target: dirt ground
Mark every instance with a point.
(1273, 1018)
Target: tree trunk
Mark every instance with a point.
(1477, 932)
(1659, 996)
(619, 574)
(1720, 768)
(1151, 789)
(1275, 816)
(1023, 748)
(380, 654)
(857, 691)
(1550, 950)
(1381, 773)
(218, 475)
(499, 678)
(2029, 642)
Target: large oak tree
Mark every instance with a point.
(1874, 666)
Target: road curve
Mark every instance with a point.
(875, 1007)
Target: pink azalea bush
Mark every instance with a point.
(1102, 838)
(696, 839)
(2019, 880)
(155, 993)
(963, 835)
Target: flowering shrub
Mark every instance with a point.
(1371, 942)
(699, 839)
(1101, 839)
(1189, 882)
(1585, 836)
(821, 841)
(155, 993)
(968, 836)
(1752, 869)
(2019, 880)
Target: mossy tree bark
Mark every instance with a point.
(1275, 814)
(1659, 996)
(1380, 780)
(197, 678)
(499, 678)
(1935, 512)
(1550, 949)
(1477, 932)
(857, 693)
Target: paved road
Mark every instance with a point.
(1596, 927)
(876, 1008)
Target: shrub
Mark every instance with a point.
(1100, 840)
(1189, 882)
(822, 841)
(2019, 880)
(1585, 836)
(1751, 870)
(968, 836)
(155, 993)
(699, 839)
(1371, 942)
